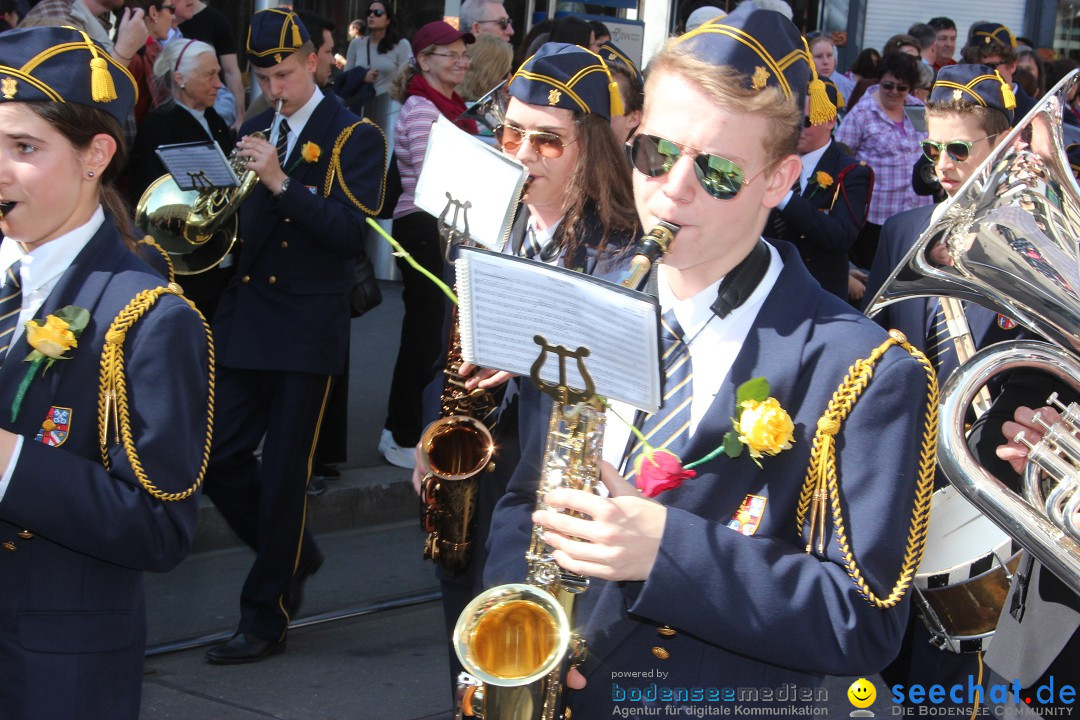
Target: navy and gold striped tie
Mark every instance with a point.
(669, 427)
(940, 349)
(10, 306)
(283, 142)
(531, 247)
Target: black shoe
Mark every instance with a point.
(244, 648)
(294, 597)
(316, 486)
(329, 471)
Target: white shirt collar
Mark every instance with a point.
(300, 118)
(810, 161)
(695, 311)
(47, 262)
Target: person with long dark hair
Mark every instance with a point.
(102, 457)
(382, 51)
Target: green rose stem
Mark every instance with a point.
(35, 364)
(403, 253)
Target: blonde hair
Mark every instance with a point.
(491, 59)
(729, 89)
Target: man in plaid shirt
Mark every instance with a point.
(94, 18)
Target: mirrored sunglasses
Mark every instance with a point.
(957, 150)
(654, 156)
(546, 144)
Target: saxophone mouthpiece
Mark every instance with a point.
(653, 245)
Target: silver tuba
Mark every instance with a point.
(1008, 241)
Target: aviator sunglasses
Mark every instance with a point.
(957, 150)
(546, 144)
(654, 156)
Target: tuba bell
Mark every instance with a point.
(198, 228)
(1008, 241)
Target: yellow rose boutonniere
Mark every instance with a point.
(820, 180)
(50, 340)
(310, 152)
(763, 426)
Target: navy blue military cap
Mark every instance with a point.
(612, 55)
(60, 64)
(974, 85)
(991, 32)
(567, 76)
(768, 50)
(274, 35)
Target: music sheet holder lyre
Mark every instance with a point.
(200, 166)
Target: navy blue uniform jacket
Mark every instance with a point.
(77, 536)
(823, 223)
(756, 611)
(287, 309)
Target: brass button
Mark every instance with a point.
(665, 631)
(245, 279)
(272, 280)
(284, 244)
(661, 653)
(26, 534)
(10, 546)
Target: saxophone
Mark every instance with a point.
(535, 618)
(517, 640)
(457, 448)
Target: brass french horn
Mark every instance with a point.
(1008, 241)
(198, 228)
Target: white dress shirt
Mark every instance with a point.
(299, 119)
(39, 273)
(714, 344)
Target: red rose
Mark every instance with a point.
(662, 471)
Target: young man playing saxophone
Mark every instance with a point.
(726, 580)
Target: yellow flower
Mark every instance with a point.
(764, 427)
(310, 152)
(823, 179)
(52, 339)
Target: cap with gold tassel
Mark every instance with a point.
(63, 64)
(273, 35)
(101, 83)
(969, 84)
(568, 76)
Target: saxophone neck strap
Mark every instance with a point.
(741, 281)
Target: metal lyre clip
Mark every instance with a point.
(448, 231)
(561, 391)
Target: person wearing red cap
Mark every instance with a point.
(426, 87)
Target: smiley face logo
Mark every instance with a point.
(862, 693)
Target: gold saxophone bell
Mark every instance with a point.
(198, 228)
(1007, 241)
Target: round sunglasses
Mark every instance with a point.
(957, 150)
(654, 156)
(546, 144)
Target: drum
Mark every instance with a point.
(965, 572)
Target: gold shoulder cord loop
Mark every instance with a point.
(150, 242)
(335, 169)
(113, 395)
(821, 487)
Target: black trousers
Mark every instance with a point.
(421, 328)
(266, 503)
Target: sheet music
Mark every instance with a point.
(459, 168)
(197, 165)
(505, 301)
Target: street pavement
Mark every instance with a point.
(370, 641)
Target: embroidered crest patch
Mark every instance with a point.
(553, 97)
(9, 87)
(748, 517)
(1005, 322)
(54, 428)
(759, 78)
